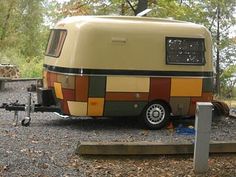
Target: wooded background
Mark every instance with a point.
(25, 24)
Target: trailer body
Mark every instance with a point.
(128, 66)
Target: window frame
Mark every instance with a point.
(178, 63)
(55, 56)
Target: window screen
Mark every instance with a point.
(185, 51)
(55, 42)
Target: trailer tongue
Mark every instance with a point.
(29, 108)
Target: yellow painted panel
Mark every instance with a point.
(127, 84)
(186, 87)
(58, 90)
(95, 106)
(77, 108)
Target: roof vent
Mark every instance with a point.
(140, 14)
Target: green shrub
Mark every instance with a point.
(32, 68)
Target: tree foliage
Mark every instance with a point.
(24, 24)
(21, 26)
(228, 79)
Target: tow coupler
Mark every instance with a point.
(28, 108)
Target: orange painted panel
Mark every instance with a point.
(81, 93)
(58, 90)
(126, 96)
(186, 87)
(160, 89)
(95, 106)
(45, 79)
(204, 98)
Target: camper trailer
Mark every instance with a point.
(128, 66)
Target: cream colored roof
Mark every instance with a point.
(91, 43)
(119, 19)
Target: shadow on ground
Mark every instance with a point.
(92, 123)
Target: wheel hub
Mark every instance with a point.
(155, 113)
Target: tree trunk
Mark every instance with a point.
(122, 8)
(218, 53)
(6, 21)
(142, 5)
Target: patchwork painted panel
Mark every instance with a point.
(58, 90)
(95, 106)
(204, 98)
(46, 79)
(77, 108)
(68, 94)
(126, 95)
(66, 81)
(52, 77)
(207, 85)
(123, 108)
(160, 89)
(127, 84)
(97, 86)
(186, 87)
(180, 105)
(65, 107)
(81, 88)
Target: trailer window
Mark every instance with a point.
(55, 42)
(185, 51)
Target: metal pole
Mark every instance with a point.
(202, 137)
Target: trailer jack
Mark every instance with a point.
(29, 108)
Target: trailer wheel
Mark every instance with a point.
(26, 122)
(156, 115)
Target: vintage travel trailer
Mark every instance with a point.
(128, 66)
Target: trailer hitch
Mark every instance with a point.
(29, 108)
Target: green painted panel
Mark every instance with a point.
(120, 108)
(97, 86)
(207, 85)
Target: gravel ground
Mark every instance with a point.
(46, 148)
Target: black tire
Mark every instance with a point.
(25, 122)
(156, 115)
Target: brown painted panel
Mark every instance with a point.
(204, 98)
(160, 89)
(126, 96)
(48, 79)
(180, 105)
(64, 106)
(81, 86)
(68, 94)
(53, 78)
